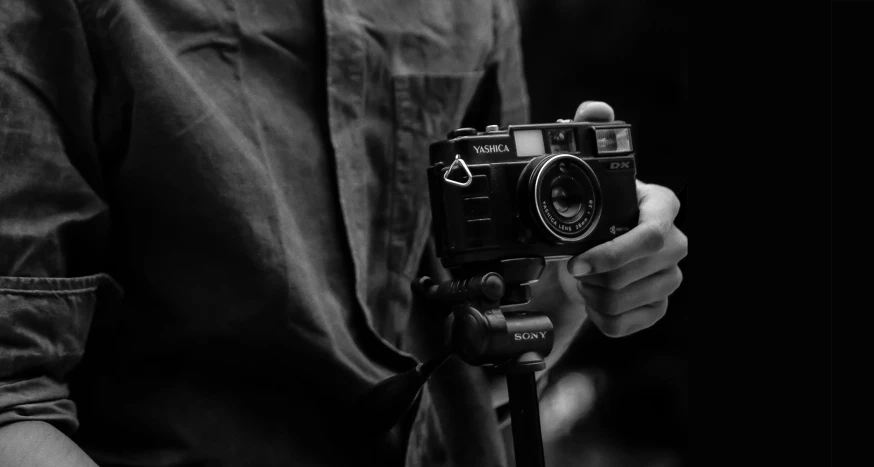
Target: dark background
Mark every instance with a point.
(631, 54)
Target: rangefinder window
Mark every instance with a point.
(561, 141)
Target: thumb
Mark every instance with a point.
(594, 111)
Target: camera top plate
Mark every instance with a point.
(518, 142)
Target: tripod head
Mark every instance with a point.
(476, 328)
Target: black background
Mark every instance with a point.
(740, 371)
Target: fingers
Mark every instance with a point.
(652, 289)
(676, 248)
(644, 240)
(658, 209)
(630, 322)
(594, 111)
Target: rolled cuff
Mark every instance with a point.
(41, 398)
(44, 325)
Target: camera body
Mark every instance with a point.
(538, 190)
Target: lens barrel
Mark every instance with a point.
(561, 196)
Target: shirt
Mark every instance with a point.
(210, 216)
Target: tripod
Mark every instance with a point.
(480, 333)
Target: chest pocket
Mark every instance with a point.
(427, 107)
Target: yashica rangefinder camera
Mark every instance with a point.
(539, 190)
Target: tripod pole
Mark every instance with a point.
(525, 419)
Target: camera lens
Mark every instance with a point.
(561, 196)
(566, 198)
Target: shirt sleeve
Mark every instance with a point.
(53, 224)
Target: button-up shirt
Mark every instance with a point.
(210, 215)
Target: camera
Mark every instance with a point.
(536, 190)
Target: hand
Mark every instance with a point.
(624, 284)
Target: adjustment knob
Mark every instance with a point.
(492, 128)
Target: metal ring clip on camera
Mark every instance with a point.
(575, 178)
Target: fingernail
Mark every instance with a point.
(579, 268)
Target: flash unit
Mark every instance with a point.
(613, 140)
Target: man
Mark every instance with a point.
(224, 200)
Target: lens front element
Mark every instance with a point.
(565, 197)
